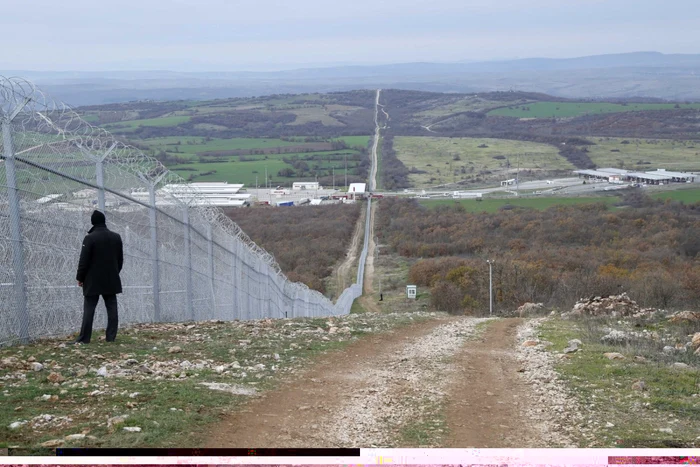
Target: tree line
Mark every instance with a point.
(556, 256)
(306, 241)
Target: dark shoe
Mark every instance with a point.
(79, 343)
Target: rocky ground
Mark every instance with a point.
(158, 376)
(375, 379)
(554, 411)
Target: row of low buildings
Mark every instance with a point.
(222, 194)
(655, 177)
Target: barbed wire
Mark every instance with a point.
(56, 163)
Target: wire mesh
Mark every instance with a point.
(183, 258)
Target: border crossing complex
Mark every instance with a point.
(656, 177)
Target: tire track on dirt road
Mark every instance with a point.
(486, 404)
(343, 274)
(362, 395)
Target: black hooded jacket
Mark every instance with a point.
(101, 260)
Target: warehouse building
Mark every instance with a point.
(655, 177)
(650, 178)
(681, 177)
(596, 175)
(306, 186)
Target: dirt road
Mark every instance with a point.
(343, 274)
(424, 385)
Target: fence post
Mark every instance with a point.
(210, 252)
(99, 174)
(154, 251)
(234, 277)
(15, 230)
(188, 262)
(268, 295)
(249, 300)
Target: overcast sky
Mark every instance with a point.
(228, 35)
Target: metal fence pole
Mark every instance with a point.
(100, 174)
(234, 278)
(249, 298)
(210, 252)
(188, 262)
(268, 298)
(154, 252)
(15, 232)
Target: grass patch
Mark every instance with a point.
(429, 430)
(438, 160)
(393, 271)
(575, 109)
(86, 400)
(194, 144)
(357, 307)
(130, 125)
(688, 196)
(456, 105)
(643, 154)
(236, 171)
(481, 327)
(604, 387)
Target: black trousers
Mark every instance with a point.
(89, 305)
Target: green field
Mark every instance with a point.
(494, 204)
(464, 104)
(130, 125)
(196, 144)
(691, 195)
(575, 109)
(661, 153)
(436, 157)
(236, 171)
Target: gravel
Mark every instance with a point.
(399, 388)
(553, 410)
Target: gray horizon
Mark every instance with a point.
(272, 35)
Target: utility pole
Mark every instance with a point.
(346, 172)
(333, 178)
(490, 288)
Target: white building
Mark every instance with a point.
(306, 186)
(208, 193)
(218, 188)
(357, 189)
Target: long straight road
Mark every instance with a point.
(375, 144)
(371, 247)
(379, 388)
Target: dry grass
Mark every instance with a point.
(436, 156)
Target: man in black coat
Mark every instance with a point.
(101, 260)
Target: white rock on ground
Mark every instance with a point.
(233, 389)
(561, 417)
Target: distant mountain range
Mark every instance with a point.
(639, 74)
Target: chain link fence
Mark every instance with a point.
(183, 259)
